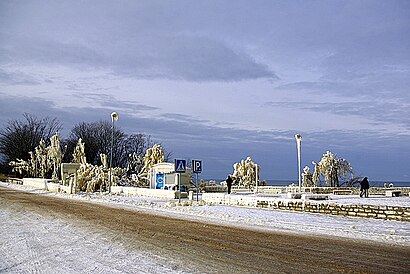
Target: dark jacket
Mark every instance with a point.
(364, 184)
(229, 181)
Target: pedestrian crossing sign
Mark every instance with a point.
(180, 166)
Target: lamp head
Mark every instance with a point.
(114, 116)
(298, 137)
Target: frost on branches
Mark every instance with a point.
(307, 178)
(332, 169)
(154, 155)
(42, 160)
(92, 177)
(245, 172)
(79, 153)
(55, 155)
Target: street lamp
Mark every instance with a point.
(114, 117)
(256, 178)
(298, 138)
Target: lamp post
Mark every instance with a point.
(298, 138)
(256, 178)
(114, 117)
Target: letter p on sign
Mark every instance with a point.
(196, 166)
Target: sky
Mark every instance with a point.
(220, 81)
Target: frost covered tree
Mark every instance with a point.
(93, 177)
(153, 155)
(307, 178)
(55, 155)
(79, 153)
(42, 158)
(331, 168)
(245, 172)
(39, 164)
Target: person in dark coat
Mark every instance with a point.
(229, 182)
(364, 188)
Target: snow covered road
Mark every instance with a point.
(33, 242)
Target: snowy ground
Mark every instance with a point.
(384, 231)
(31, 243)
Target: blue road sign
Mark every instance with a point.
(180, 166)
(196, 166)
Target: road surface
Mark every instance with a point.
(194, 246)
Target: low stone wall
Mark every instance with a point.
(327, 190)
(126, 190)
(355, 210)
(66, 189)
(147, 192)
(272, 189)
(356, 191)
(36, 183)
(53, 187)
(47, 184)
(215, 189)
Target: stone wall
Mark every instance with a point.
(215, 189)
(53, 187)
(147, 192)
(36, 183)
(355, 210)
(47, 184)
(327, 190)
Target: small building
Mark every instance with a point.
(163, 176)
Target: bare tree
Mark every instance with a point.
(97, 139)
(85, 131)
(19, 137)
(138, 143)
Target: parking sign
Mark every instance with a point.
(196, 166)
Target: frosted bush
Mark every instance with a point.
(245, 172)
(92, 177)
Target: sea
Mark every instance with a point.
(372, 183)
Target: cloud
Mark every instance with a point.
(380, 112)
(202, 59)
(17, 78)
(174, 57)
(111, 102)
(183, 118)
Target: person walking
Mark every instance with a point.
(229, 183)
(364, 188)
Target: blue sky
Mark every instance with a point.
(221, 80)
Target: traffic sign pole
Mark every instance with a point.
(180, 167)
(179, 187)
(197, 168)
(197, 188)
